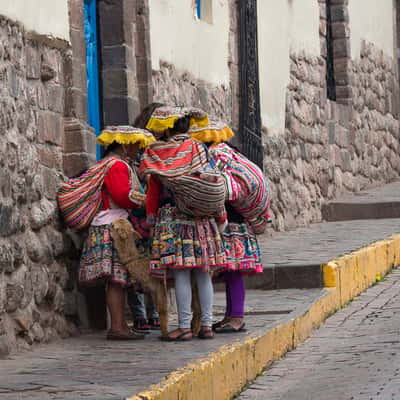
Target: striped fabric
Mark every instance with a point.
(246, 186)
(180, 155)
(79, 199)
(182, 166)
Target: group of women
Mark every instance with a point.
(143, 185)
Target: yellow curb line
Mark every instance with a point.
(223, 373)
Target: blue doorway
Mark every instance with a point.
(92, 68)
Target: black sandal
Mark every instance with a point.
(180, 338)
(205, 333)
(228, 328)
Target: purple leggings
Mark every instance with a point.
(235, 294)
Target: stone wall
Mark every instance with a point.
(182, 88)
(37, 259)
(329, 147)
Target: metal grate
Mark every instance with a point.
(330, 68)
(250, 116)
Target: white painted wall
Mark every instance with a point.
(190, 45)
(284, 26)
(371, 20)
(47, 17)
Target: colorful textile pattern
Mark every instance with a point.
(79, 199)
(125, 134)
(242, 249)
(246, 186)
(215, 132)
(164, 118)
(99, 259)
(180, 155)
(182, 166)
(182, 242)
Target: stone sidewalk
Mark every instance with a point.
(354, 356)
(89, 367)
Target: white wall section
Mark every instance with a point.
(284, 26)
(46, 17)
(196, 46)
(371, 20)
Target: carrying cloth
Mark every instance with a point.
(246, 186)
(183, 167)
(79, 199)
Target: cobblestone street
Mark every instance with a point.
(354, 356)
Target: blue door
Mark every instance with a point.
(92, 67)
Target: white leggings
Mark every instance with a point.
(183, 293)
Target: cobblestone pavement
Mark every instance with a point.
(89, 367)
(354, 356)
(322, 242)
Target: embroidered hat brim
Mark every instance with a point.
(215, 132)
(125, 134)
(164, 118)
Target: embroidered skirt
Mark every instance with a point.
(184, 242)
(242, 249)
(99, 259)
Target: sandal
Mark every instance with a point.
(228, 328)
(205, 333)
(119, 335)
(182, 337)
(141, 325)
(154, 323)
(218, 324)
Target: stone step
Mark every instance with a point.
(374, 203)
(342, 211)
(302, 276)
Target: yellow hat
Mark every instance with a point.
(125, 134)
(164, 118)
(215, 132)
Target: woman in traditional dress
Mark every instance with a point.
(121, 192)
(247, 207)
(182, 244)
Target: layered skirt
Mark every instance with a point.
(241, 248)
(99, 260)
(185, 242)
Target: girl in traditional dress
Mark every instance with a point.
(121, 191)
(247, 206)
(182, 244)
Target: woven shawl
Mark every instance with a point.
(179, 156)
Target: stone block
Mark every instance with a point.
(49, 157)
(52, 181)
(114, 82)
(339, 13)
(340, 30)
(344, 92)
(115, 56)
(143, 70)
(341, 48)
(50, 127)
(76, 163)
(111, 23)
(42, 213)
(142, 44)
(76, 13)
(55, 96)
(10, 220)
(75, 138)
(32, 62)
(14, 294)
(115, 110)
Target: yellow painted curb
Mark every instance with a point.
(224, 373)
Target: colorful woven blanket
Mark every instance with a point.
(246, 185)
